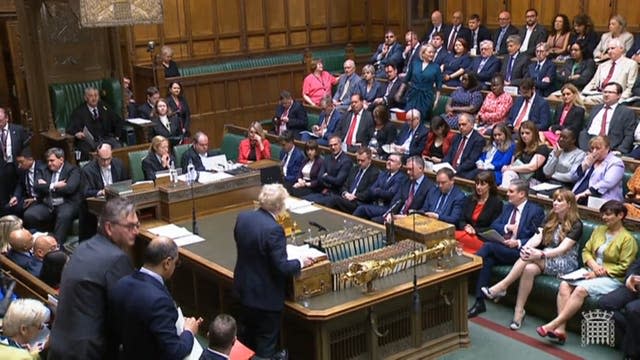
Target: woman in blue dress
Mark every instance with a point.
(454, 68)
(424, 80)
(465, 99)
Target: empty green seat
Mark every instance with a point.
(178, 151)
(135, 164)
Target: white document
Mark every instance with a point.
(511, 90)
(304, 251)
(188, 240)
(492, 235)
(139, 121)
(205, 177)
(217, 162)
(575, 275)
(443, 165)
(545, 187)
(196, 350)
(595, 202)
(171, 231)
(300, 206)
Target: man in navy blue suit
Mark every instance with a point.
(411, 51)
(444, 201)
(328, 122)
(262, 270)
(412, 137)
(515, 64)
(24, 193)
(337, 166)
(389, 52)
(144, 314)
(21, 251)
(486, 65)
(466, 148)
(532, 33)
(388, 184)
(291, 158)
(502, 32)
(517, 223)
(222, 336)
(412, 194)
(290, 115)
(543, 71)
(13, 139)
(529, 106)
(456, 30)
(479, 33)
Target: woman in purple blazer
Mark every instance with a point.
(600, 173)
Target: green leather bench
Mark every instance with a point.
(242, 64)
(333, 59)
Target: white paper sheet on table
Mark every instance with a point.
(171, 231)
(303, 251)
(188, 240)
(545, 187)
(139, 121)
(205, 177)
(216, 162)
(300, 206)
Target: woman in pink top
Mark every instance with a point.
(496, 104)
(317, 84)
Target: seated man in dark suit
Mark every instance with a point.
(25, 192)
(93, 122)
(466, 148)
(99, 173)
(290, 115)
(355, 190)
(486, 65)
(625, 304)
(59, 193)
(291, 158)
(533, 31)
(356, 127)
(543, 71)
(389, 52)
(515, 64)
(328, 122)
(456, 30)
(518, 222)
(21, 249)
(393, 85)
(144, 314)
(337, 166)
(388, 183)
(412, 137)
(529, 106)
(347, 86)
(502, 32)
(145, 110)
(42, 245)
(442, 55)
(445, 200)
(13, 139)
(411, 195)
(612, 119)
(198, 150)
(222, 337)
(479, 33)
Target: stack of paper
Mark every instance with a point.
(300, 206)
(180, 235)
(304, 251)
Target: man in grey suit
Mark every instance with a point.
(81, 327)
(515, 63)
(612, 119)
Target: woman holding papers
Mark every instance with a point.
(531, 154)
(552, 251)
(606, 257)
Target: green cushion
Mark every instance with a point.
(66, 97)
(178, 151)
(441, 105)
(242, 64)
(229, 146)
(135, 164)
(314, 119)
(275, 152)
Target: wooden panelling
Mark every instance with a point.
(276, 15)
(318, 10)
(600, 11)
(174, 19)
(254, 15)
(629, 10)
(571, 8)
(296, 12)
(203, 19)
(490, 14)
(339, 12)
(228, 15)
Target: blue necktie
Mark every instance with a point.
(510, 67)
(356, 181)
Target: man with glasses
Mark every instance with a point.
(389, 52)
(532, 33)
(619, 69)
(529, 106)
(486, 65)
(502, 33)
(515, 63)
(347, 85)
(198, 151)
(144, 312)
(81, 329)
(337, 166)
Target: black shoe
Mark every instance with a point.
(477, 309)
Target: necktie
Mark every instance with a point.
(438, 203)
(345, 89)
(3, 138)
(475, 40)
(452, 39)
(512, 221)
(352, 129)
(523, 113)
(500, 37)
(538, 69)
(512, 59)
(54, 178)
(482, 62)
(584, 183)
(609, 75)
(603, 124)
(356, 181)
(30, 190)
(285, 163)
(456, 157)
(407, 203)
(95, 113)
(168, 125)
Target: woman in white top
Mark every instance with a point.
(617, 29)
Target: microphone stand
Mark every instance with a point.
(416, 295)
(194, 221)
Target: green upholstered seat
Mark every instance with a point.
(229, 146)
(135, 164)
(241, 64)
(66, 97)
(275, 151)
(439, 108)
(178, 151)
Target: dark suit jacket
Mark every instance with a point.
(262, 269)
(108, 125)
(184, 114)
(334, 122)
(621, 129)
(192, 155)
(586, 69)
(463, 32)
(145, 110)
(503, 43)
(208, 355)
(93, 177)
(364, 132)
(317, 169)
(450, 209)
(362, 191)
(21, 259)
(21, 190)
(483, 34)
(419, 138)
(442, 56)
(81, 327)
(538, 35)
(297, 118)
(174, 136)
(548, 70)
(151, 165)
(71, 193)
(491, 210)
(519, 68)
(144, 319)
(573, 121)
(295, 164)
(469, 156)
(444, 28)
(386, 135)
(390, 100)
(418, 197)
(531, 218)
(336, 172)
(540, 113)
(491, 67)
(19, 140)
(384, 189)
(394, 55)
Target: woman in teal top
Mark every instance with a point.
(424, 81)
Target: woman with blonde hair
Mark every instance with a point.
(255, 147)
(21, 325)
(159, 158)
(552, 251)
(8, 223)
(368, 87)
(617, 30)
(531, 154)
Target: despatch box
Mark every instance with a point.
(423, 229)
(312, 281)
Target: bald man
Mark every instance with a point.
(21, 242)
(43, 245)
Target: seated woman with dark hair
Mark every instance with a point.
(498, 153)
(579, 68)
(52, 266)
(531, 154)
(317, 84)
(384, 131)
(465, 99)
(255, 147)
(453, 69)
(308, 178)
(552, 251)
(158, 159)
(481, 208)
(439, 140)
(606, 257)
(569, 114)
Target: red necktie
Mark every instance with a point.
(609, 75)
(352, 128)
(407, 204)
(525, 107)
(603, 124)
(456, 157)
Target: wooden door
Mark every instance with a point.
(19, 97)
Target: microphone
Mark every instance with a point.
(417, 211)
(392, 208)
(318, 226)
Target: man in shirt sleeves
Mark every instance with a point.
(262, 271)
(144, 313)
